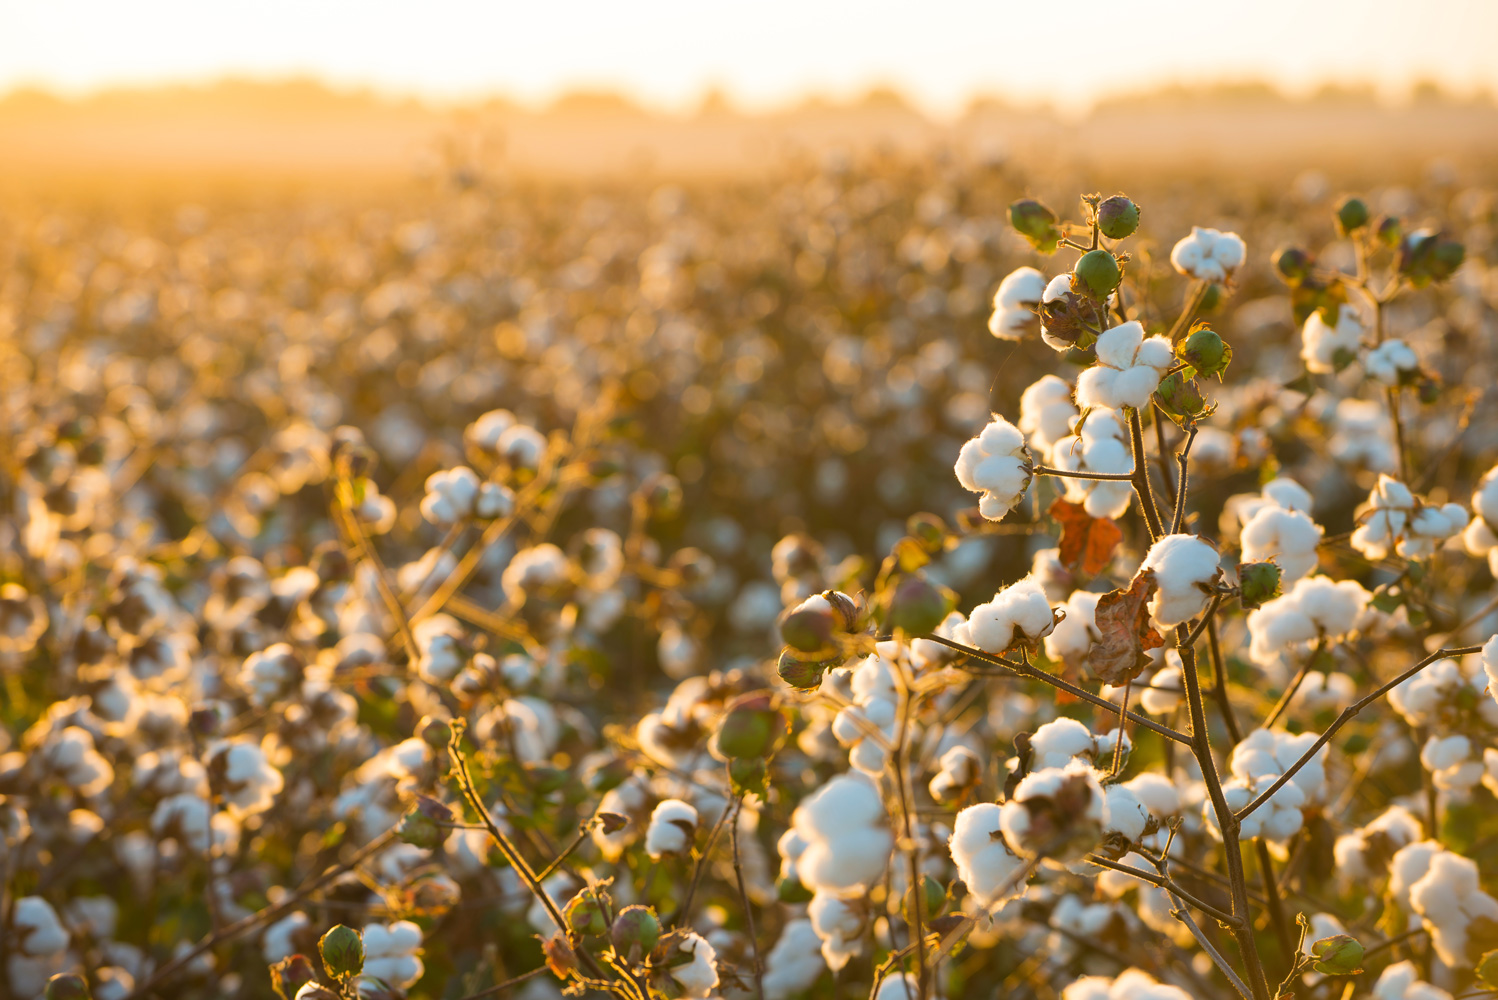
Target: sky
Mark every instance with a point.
(668, 53)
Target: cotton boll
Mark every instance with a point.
(1442, 695)
(279, 940)
(244, 777)
(484, 433)
(960, 770)
(391, 953)
(534, 569)
(1158, 794)
(986, 865)
(1099, 445)
(450, 496)
(1408, 866)
(1451, 763)
(1489, 659)
(1185, 566)
(1127, 816)
(996, 465)
(1324, 346)
(1363, 435)
(672, 826)
(1315, 607)
(1401, 981)
(1056, 814)
(1128, 370)
(1131, 984)
(1166, 691)
(1015, 302)
(897, 986)
(1324, 692)
(840, 924)
(795, 961)
(1391, 363)
(1046, 412)
(1368, 851)
(270, 673)
(1288, 537)
(698, 977)
(847, 834)
(1018, 614)
(1059, 742)
(1208, 254)
(1448, 899)
(1072, 638)
(440, 654)
(1481, 537)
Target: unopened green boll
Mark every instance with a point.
(1099, 272)
(1117, 217)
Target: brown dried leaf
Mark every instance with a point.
(1087, 542)
(1123, 624)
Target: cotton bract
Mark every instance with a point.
(1128, 370)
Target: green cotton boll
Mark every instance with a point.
(342, 951)
(1258, 582)
(1118, 217)
(1205, 351)
(1352, 215)
(1099, 272)
(1338, 955)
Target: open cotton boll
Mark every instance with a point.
(1363, 435)
(672, 826)
(1324, 692)
(1489, 660)
(484, 433)
(1269, 753)
(1323, 346)
(390, 953)
(1452, 765)
(1131, 984)
(986, 865)
(698, 977)
(841, 924)
(1391, 362)
(244, 777)
(1046, 412)
(450, 496)
(995, 465)
(1481, 537)
(1157, 792)
(1185, 566)
(1072, 638)
(1015, 302)
(1367, 852)
(1128, 370)
(1401, 981)
(848, 841)
(795, 961)
(1018, 614)
(898, 986)
(1288, 537)
(1408, 866)
(439, 648)
(1058, 742)
(1315, 607)
(1448, 899)
(536, 568)
(1277, 820)
(1209, 254)
(1442, 694)
(1100, 445)
(960, 770)
(1165, 692)
(1056, 814)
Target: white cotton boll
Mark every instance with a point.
(1391, 362)
(1448, 899)
(1100, 445)
(1439, 695)
(536, 568)
(1319, 692)
(840, 924)
(672, 827)
(1158, 794)
(493, 501)
(1288, 537)
(699, 977)
(36, 929)
(1314, 607)
(278, 942)
(847, 834)
(390, 953)
(70, 754)
(185, 817)
(1489, 660)
(1214, 451)
(1401, 981)
(677, 651)
(1323, 345)
(249, 784)
(1359, 853)
(1387, 512)
(1034, 827)
(1184, 565)
(926, 654)
(1429, 528)
(1287, 493)
(1408, 866)
(1020, 613)
(484, 432)
(996, 465)
(450, 496)
(1127, 815)
(1059, 742)
(521, 446)
(795, 962)
(1131, 984)
(439, 648)
(1208, 254)
(898, 986)
(1128, 370)
(1015, 302)
(1363, 435)
(1451, 764)
(1481, 537)
(1165, 693)
(1046, 412)
(960, 770)
(270, 673)
(1072, 638)
(986, 865)
(1265, 754)
(628, 800)
(1055, 579)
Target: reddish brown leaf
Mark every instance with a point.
(1123, 623)
(560, 957)
(1087, 542)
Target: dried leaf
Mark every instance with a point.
(1123, 624)
(559, 956)
(1087, 542)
